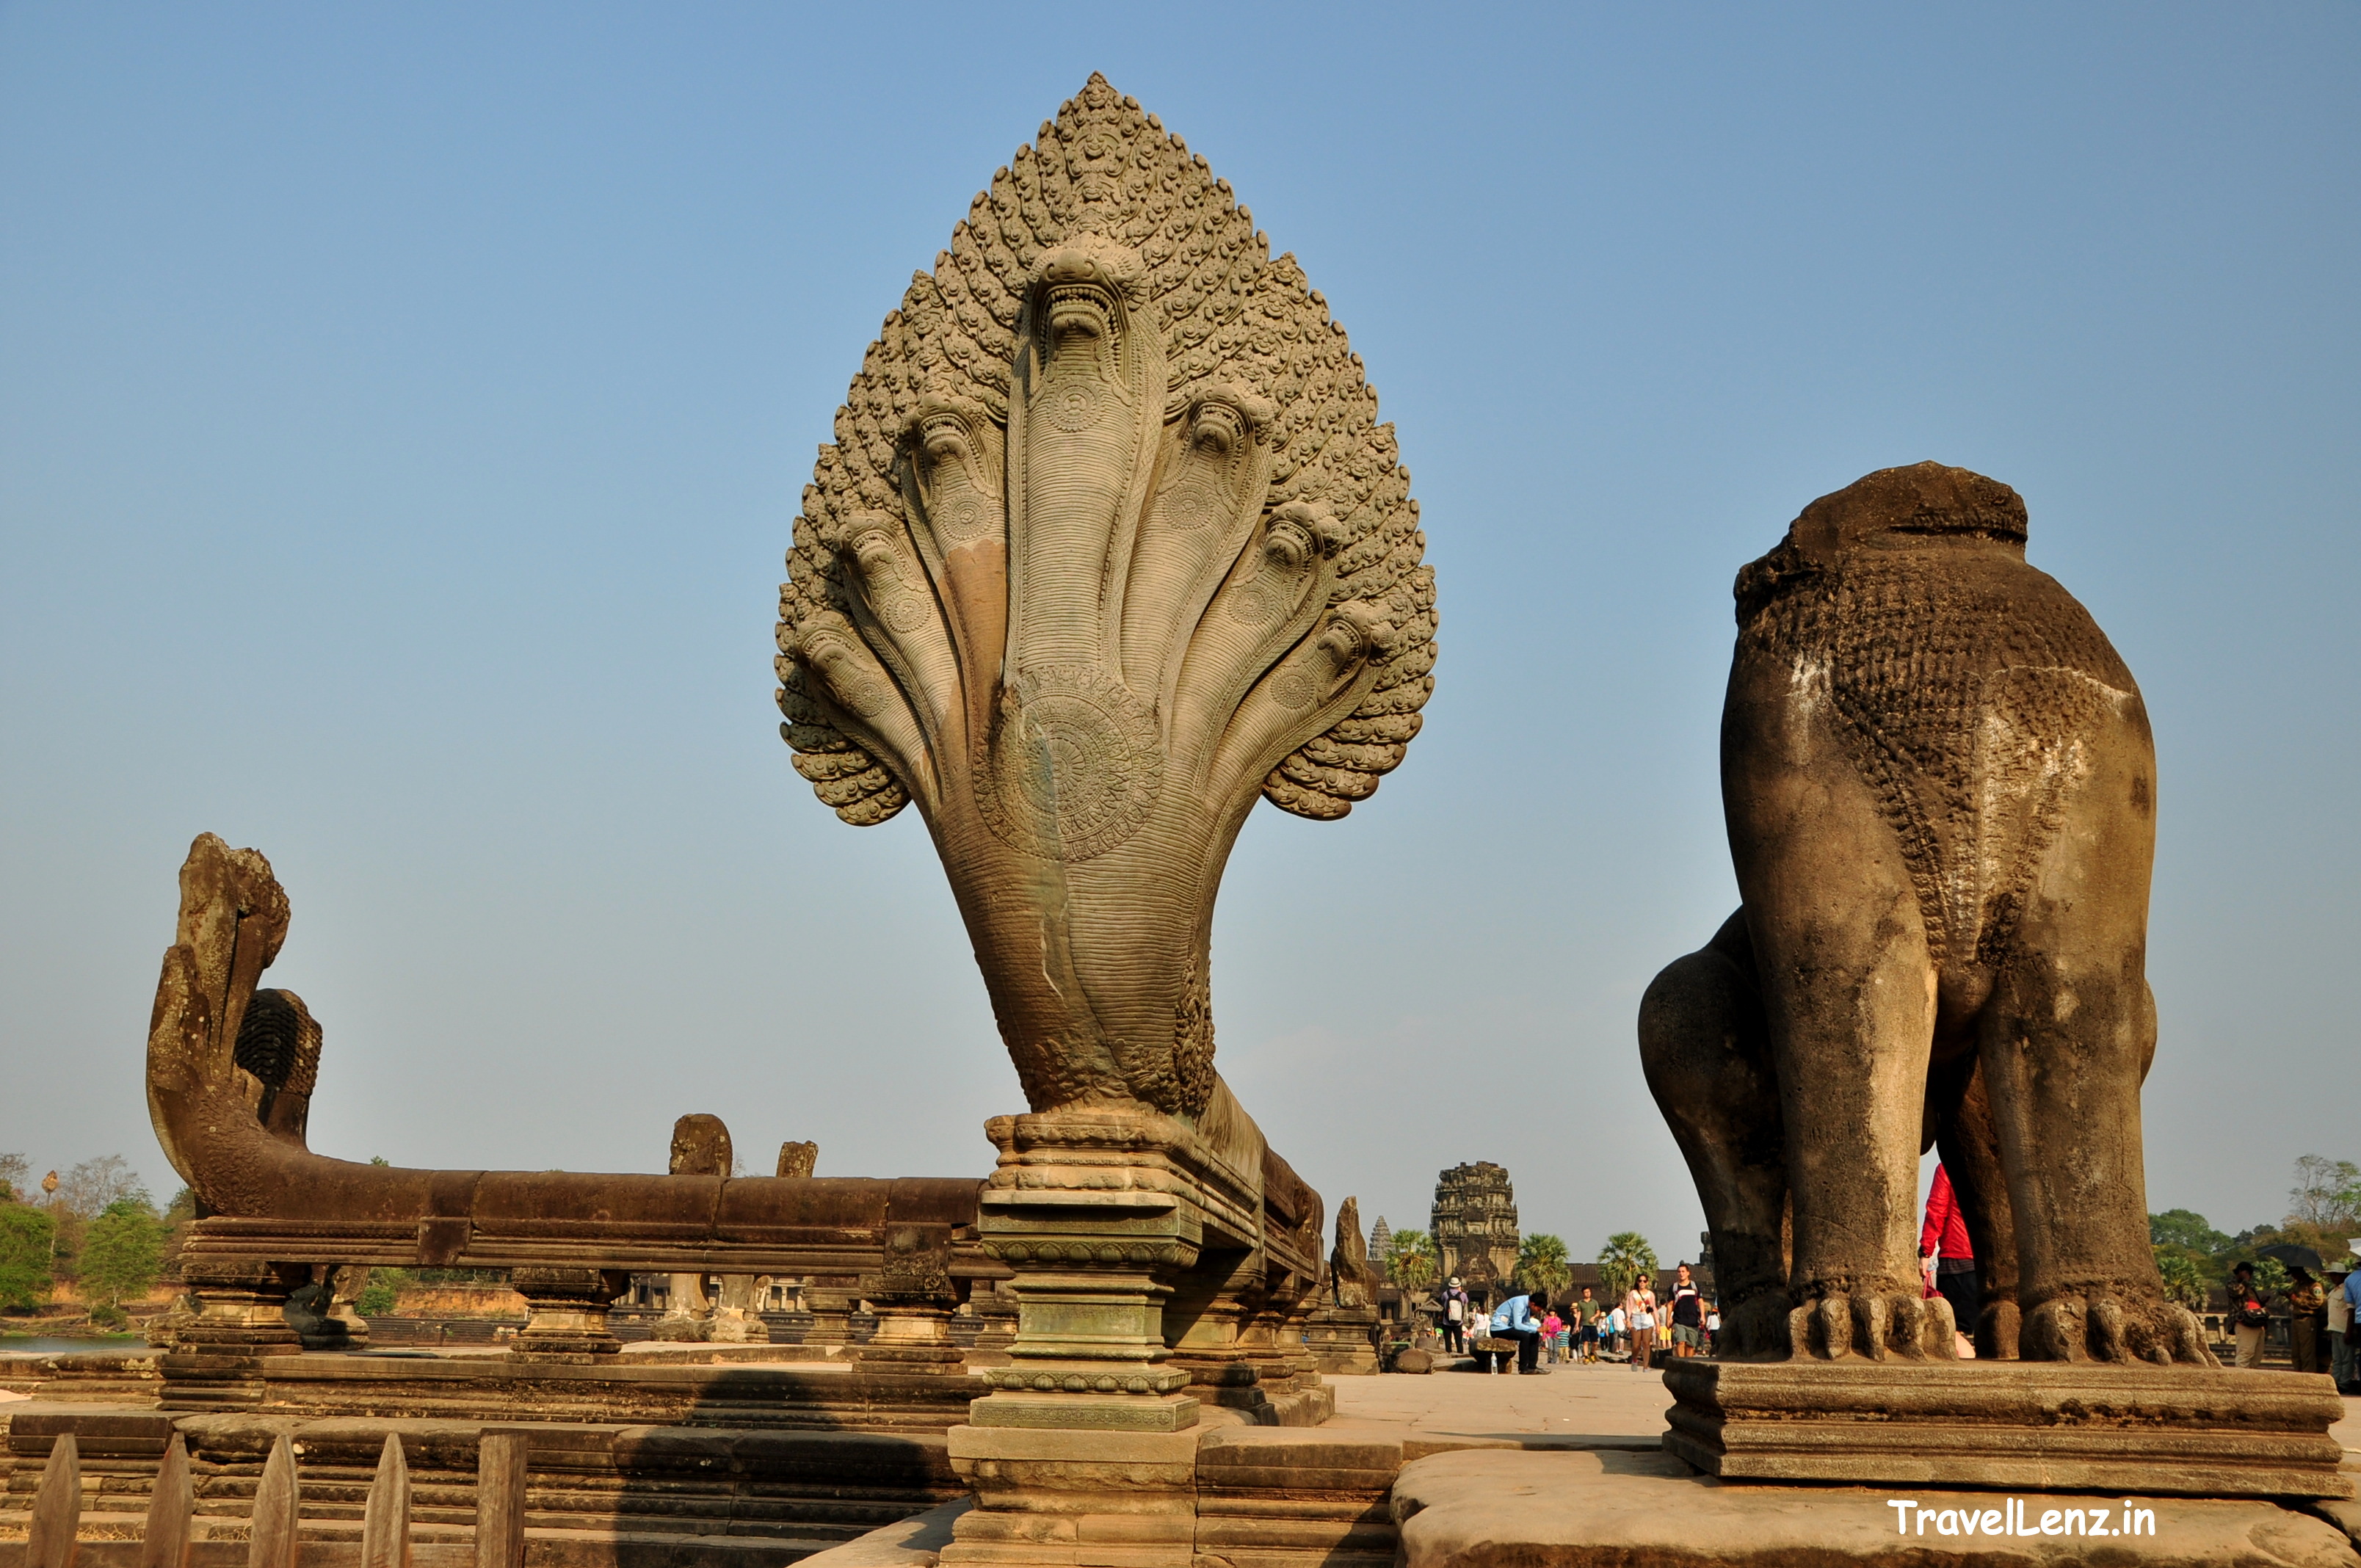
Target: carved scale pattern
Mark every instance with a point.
(1964, 684)
(1230, 314)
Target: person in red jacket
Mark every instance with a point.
(1943, 1243)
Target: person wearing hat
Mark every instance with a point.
(2248, 1317)
(1456, 1312)
(2340, 1323)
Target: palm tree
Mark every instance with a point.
(1626, 1260)
(1410, 1260)
(1542, 1264)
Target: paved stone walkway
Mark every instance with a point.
(1605, 1400)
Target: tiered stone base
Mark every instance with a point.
(2017, 1424)
(1341, 1342)
(128, 1379)
(1649, 1510)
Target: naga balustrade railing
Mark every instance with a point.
(168, 1538)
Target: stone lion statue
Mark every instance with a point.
(1940, 792)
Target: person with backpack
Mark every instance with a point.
(1455, 1313)
(1687, 1314)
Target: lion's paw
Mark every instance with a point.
(1832, 1325)
(1755, 1330)
(1999, 1328)
(2098, 1323)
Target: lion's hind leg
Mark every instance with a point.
(1707, 1055)
(2064, 1043)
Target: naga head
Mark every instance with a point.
(1109, 547)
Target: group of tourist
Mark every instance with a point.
(2320, 1320)
(2322, 1314)
(1637, 1327)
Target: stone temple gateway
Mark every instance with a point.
(1109, 547)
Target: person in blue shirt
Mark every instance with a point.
(1516, 1320)
(2347, 1371)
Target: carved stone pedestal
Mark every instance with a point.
(1339, 1339)
(242, 1307)
(1219, 1334)
(1088, 1498)
(832, 1305)
(912, 1294)
(567, 1307)
(240, 1322)
(2010, 1424)
(1083, 1452)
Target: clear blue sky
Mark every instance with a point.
(402, 411)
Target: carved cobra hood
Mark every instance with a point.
(1108, 545)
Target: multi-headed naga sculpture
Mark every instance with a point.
(1940, 788)
(1108, 545)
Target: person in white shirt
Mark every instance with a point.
(1456, 1309)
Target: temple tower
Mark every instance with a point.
(1474, 1226)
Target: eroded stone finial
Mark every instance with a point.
(1348, 1264)
(1109, 545)
(798, 1159)
(700, 1146)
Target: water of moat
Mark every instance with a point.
(35, 1344)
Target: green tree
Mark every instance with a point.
(2182, 1228)
(179, 1215)
(122, 1251)
(1410, 1260)
(16, 1177)
(1626, 1260)
(2183, 1281)
(26, 1235)
(1542, 1264)
(83, 1193)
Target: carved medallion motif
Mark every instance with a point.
(1074, 768)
